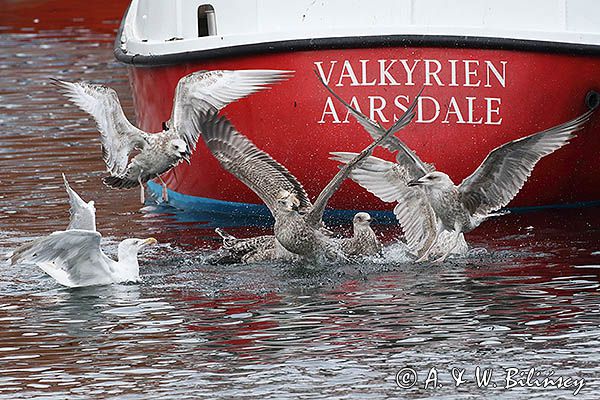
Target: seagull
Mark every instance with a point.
(73, 257)
(431, 209)
(388, 181)
(159, 152)
(298, 222)
(496, 181)
(364, 242)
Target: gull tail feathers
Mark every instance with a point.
(116, 182)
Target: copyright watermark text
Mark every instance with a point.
(483, 378)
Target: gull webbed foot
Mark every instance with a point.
(165, 193)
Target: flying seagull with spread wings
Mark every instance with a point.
(431, 209)
(298, 222)
(159, 152)
(73, 257)
(388, 180)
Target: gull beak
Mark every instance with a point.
(414, 182)
(186, 156)
(150, 241)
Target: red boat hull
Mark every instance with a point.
(475, 100)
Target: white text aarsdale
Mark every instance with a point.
(485, 74)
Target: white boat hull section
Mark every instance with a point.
(158, 27)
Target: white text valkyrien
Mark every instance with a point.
(389, 83)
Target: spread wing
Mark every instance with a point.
(212, 90)
(417, 219)
(387, 181)
(71, 257)
(255, 168)
(119, 137)
(506, 169)
(383, 178)
(316, 214)
(83, 215)
(405, 156)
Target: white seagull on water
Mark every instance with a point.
(159, 152)
(74, 258)
(298, 222)
(430, 208)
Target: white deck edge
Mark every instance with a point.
(173, 36)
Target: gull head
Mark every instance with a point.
(433, 180)
(180, 149)
(131, 247)
(362, 220)
(287, 201)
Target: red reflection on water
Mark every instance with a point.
(42, 15)
(231, 319)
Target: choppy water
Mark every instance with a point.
(194, 330)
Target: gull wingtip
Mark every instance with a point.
(65, 181)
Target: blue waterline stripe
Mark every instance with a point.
(579, 204)
(206, 205)
(230, 208)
